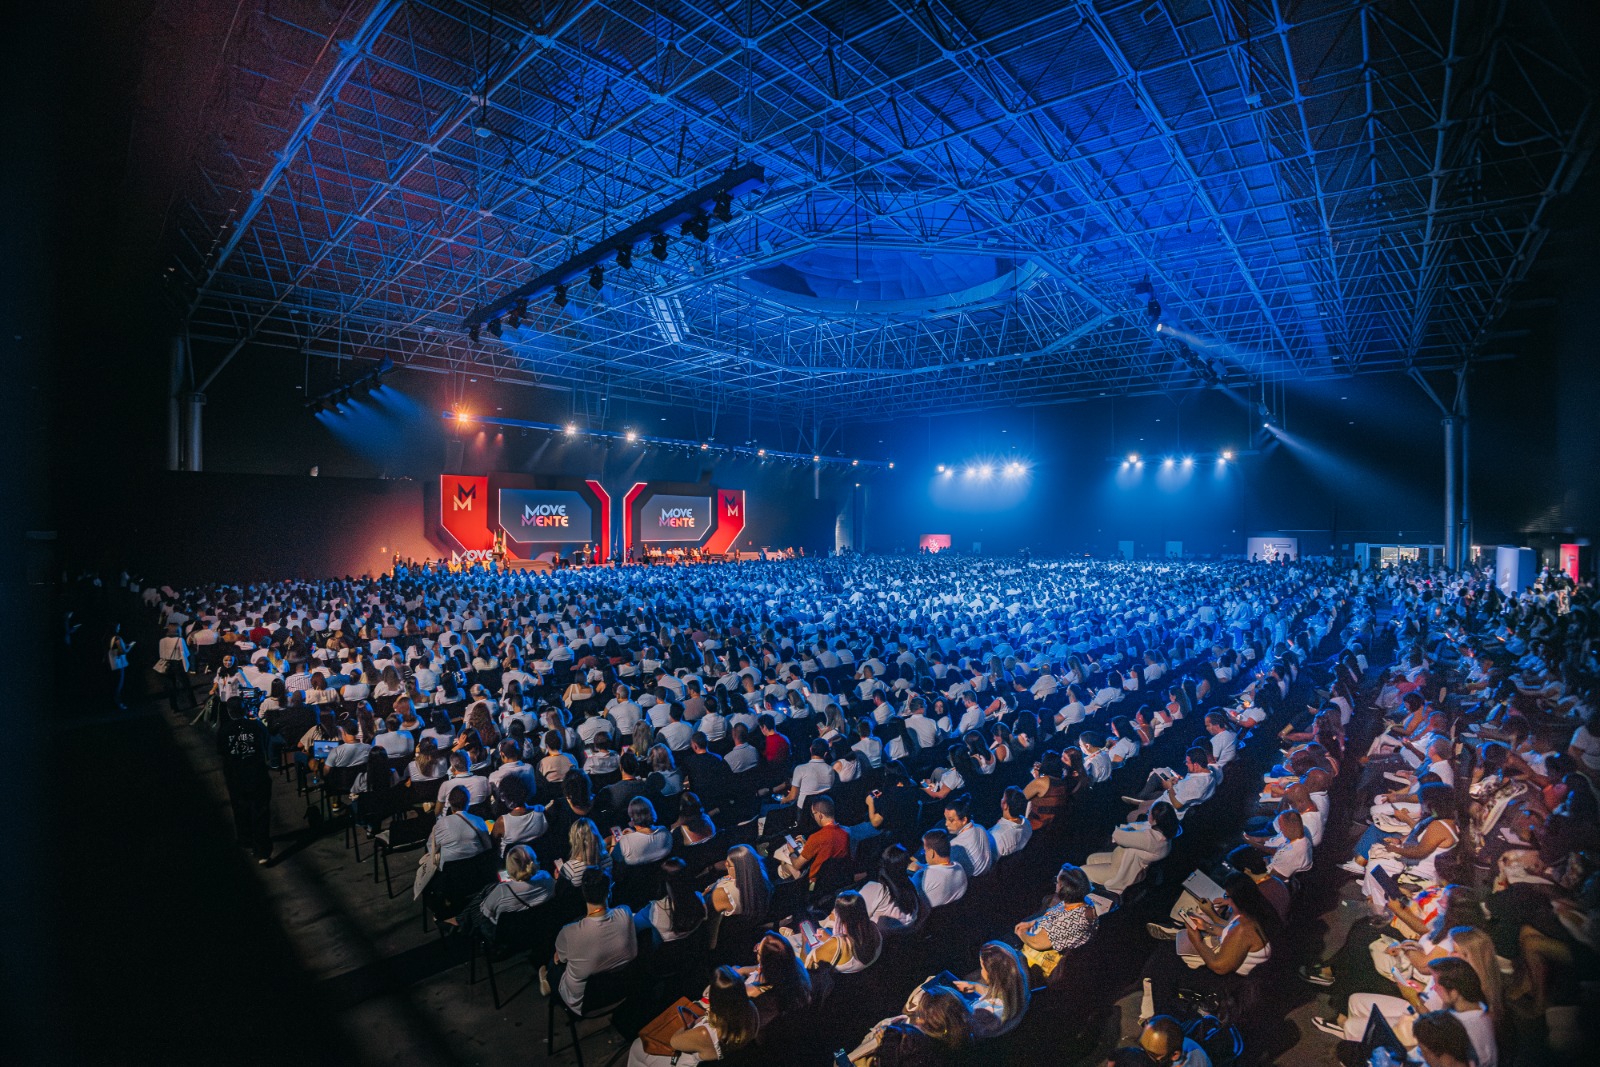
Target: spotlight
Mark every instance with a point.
(597, 276)
(473, 333)
(560, 297)
(949, 472)
(1166, 461)
(572, 429)
(1161, 327)
(723, 207)
(816, 459)
(891, 464)
(1266, 425)
(1188, 461)
(985, 471)
(463, 417)
(494, 327)
(855, 463)
(761, 451)
(1153, 309)
(1013, 469)
(697, 226)
(625, 257)
(1143, 288)
(1227, 454)
(941, 469)
(632, 435)
(658, 245)
(1133, 457)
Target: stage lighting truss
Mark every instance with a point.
(332, 400)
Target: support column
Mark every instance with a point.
(193, 402)
(1452, 510)
(175, 365)
(1465, 545)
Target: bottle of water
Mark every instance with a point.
(1383, 1057)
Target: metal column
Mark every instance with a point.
(1464, 546)
(175, 365)
(193, 402)
(1452, 511)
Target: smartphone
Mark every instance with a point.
(841, 1059)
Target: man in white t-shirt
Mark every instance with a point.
(937, 877)
(970, 844)
(1013, 831)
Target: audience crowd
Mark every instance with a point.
(719, 794)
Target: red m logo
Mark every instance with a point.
(465, 494)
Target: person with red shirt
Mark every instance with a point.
(829, 841)
(774, 746)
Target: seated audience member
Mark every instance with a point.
(585, 852)
(1048, 793)
(828, 841)
(814, 776)
(937, 1023)
(1224, 742)
(970, 844)
(1182, 792)
(1163, 1042)
(892, 809)
(999, 998)
(937, 877)
(681, 909)
(522, 822)
(1292, 852)
(599, 943)
(641, 842)
(466, 856)
(1452, 985)
(1013, 831)
(730, 1023)
(744, 889)
(461, 776)
(524, 886)
(777, 981)
(892, 900)
(847, 940)
(1136, 846)
(1097, 765)
(1225, 951)
(1444, 1041)
(1066, 926)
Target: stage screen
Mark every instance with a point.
(546, 516)
(667, 517)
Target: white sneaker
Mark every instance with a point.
(1353, 867)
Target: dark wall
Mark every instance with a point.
(181, 527)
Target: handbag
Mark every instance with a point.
(1046, 960)
(679, 1016)
(429, 865)
(161, 666)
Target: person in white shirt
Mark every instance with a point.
(393, 740)
(870, 747)
(937, 877)
(356, 689)
(1224, 742)
(461, 776)
(623, 711)
(970, 844)
(1183, 792)
(1096, 759)
(742, 756)
(814, 776)
(641, 841)
(1013, 831)
(1294, 855)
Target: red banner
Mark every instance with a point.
(729, 520)
(464, 510)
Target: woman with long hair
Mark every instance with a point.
(681, 909)
(585, 853)
(999, 998)
(777, 982)
(1243, 942)
(730, 1023)
(892, 900)
(851, 941)
(1136, 846)
(745, 889)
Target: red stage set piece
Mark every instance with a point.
(518, 519)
